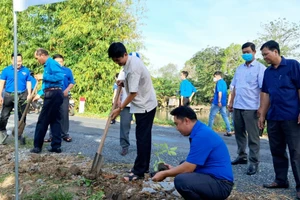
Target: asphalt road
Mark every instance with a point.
(87, 132)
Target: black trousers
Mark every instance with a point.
(196, 186)
(50, 115)
(143, 133)
(282, 134)
(186, 101)
(64, 111)
(8, 105)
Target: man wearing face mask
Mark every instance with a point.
(247, 83)
(219, 102)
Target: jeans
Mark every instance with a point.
(213, 111)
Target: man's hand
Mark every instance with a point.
(299, 119)
(120, 83)
(261, 122)
(230, 107)
(36, 97)
(66, 93)
(220, 104)
(159, 176)
(115, 113)
(1, 100)
(28, 97)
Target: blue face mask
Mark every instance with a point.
(247, 57)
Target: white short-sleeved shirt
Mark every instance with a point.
(138, 79)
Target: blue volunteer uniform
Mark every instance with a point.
(7, 75)
(50, 114)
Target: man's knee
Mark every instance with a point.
(180, 182)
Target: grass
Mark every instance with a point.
(3, 177)
(54, 194)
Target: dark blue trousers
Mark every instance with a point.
(50, 115)
(196, 186)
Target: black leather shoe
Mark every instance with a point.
(57, 150)
(276, 185)
(36, 150)
(239, 161)
(252, 169)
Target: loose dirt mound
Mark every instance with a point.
(67, 177)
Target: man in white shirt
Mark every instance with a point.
(141, 95)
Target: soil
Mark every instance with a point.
(63, 177)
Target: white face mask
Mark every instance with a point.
(215, 79)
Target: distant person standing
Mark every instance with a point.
(280, 104)
(7, 81)
(68, 84)
(219, 102)
(53, 77)
(125, 119)
(141, 95)
(187, 90)
(247, 83)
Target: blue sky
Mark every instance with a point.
(174, 30)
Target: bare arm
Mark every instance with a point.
(185, 167)
(117, 111)
(231, 100)
(28, 85)
(2, 83)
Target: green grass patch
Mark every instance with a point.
(53, 194)
(3, 177)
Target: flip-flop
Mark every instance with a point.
(67, 139)
(133, 177)
(227, 134)
(48, 140)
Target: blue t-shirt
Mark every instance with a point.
(53, 75)
(186, 88)
(282, 85)
(8, 75)
(209, 152)
(68, 77)
(221, 86)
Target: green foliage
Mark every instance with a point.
(54, 194)
(97, 196)
(162, 150)
(82, 31)
(284, 32)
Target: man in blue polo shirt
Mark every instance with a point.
(280, 101)
(219, 102)
(24, 91)
(67, 86)
(53, 99)
(207, 171)
(187, 90)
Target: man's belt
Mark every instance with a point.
(17, 92)
(50, 89)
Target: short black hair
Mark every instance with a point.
(185, 73)
(18, 54)
(218, 73)
(41, 51)
(116, 50)
(58, 56)
(272, 45)
(117, 75)
(182, 112)
(249, 44)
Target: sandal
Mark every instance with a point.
(67, 139)
(132, 177)
(48, 140)
(227, 134)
